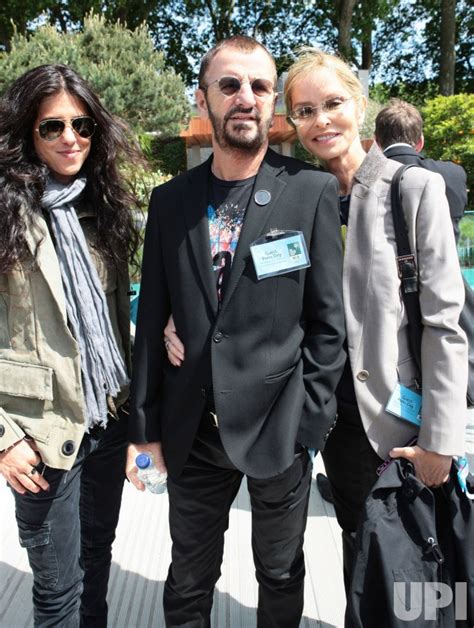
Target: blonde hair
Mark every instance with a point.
(311, 59)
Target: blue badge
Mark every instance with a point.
(405, 404)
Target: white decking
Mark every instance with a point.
(142, 553)
(141, 557)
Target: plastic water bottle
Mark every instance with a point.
(152, 478)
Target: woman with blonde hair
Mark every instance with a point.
(326, 105)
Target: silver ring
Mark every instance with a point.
(32, 471)
(167, 343)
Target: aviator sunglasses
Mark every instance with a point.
(231, 85)
(52, 128)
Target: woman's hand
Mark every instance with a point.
(174, 346)
(430, 468)
(19, 466)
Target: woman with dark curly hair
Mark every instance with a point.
(66, 236)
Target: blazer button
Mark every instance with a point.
(363, 375)
(218, 337)
(203, 392)
(68, 448)
(2, 430)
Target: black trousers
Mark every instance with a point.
(351, 465)
(200, 500)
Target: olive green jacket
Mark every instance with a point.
(40, 374)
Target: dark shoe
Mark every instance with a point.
(324, 488)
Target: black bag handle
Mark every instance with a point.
(406, 264)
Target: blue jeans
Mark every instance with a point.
(68, 532)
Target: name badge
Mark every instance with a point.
(279, 252)
(405, 404)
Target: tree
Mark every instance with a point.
(407, 44)
(18, 13)
(448, 124)
(345, 10)
(122, 66)
(448, 55)
(401, 39)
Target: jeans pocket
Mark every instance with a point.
(37, 541)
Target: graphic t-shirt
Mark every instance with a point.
(226, 212)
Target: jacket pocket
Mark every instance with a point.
(37, 541)
(20, 379)
(275, 377)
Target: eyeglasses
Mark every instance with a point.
(300, 115)
(52, 128)
(231, 85)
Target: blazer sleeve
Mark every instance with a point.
(444, 358)
(149, 353)
(322, 350)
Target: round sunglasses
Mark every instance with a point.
(231, 85)
(52, 128)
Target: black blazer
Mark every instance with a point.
(454, 177)
(274, 351)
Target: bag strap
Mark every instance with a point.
(406, 264)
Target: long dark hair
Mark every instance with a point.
(23, 176)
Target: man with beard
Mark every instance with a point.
(245, 252)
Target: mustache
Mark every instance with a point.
(248, 110)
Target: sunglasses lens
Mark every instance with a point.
(50, 130)
(262, 87)
(83, 126)
(229, 85)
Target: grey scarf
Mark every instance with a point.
(103, 369)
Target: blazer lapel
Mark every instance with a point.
(195, 203)
(360, 242)
(256, 219)
(41, 245)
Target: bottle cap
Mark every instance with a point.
(143, 461)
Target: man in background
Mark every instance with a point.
(399, 133)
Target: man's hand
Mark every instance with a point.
(144, 448)
(174, 346)
(18, 466)
(430, 468)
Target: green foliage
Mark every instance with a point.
(466, 241)
(368, 126)
(122, 66)
(414, 93)
(142, 181)
(449, 132)
(399, 39)
(168, 155)
(15, 14)
(406, 44)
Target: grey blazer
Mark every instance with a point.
(376, 321)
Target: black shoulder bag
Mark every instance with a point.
(407, 270)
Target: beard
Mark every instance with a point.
(232, 134)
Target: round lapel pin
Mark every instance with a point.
(262, 197)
